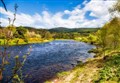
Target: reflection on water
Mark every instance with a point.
(47, 59)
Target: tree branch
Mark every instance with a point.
(4, 5)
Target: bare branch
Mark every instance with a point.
(4, 5)
(15, 7)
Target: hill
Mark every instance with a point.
(68, 30)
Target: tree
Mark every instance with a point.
(47, 35)
(11, 28)
(114, 32)
(20, 32)
(102, 37)
(115, 9)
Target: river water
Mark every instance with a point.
(47, 59)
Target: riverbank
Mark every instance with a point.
(18, 41)
(100, 69)
(103, 68)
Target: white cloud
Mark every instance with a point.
(99, 8)
(85, 2)
(75, 18)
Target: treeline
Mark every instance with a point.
(24, 35)
(28, 34)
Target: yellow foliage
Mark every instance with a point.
(21, 41)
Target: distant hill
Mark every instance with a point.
(63, 29)
(80, 30)
(60, 29)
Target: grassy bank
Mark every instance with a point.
(104, 69)
(18, 41)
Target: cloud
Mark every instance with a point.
(99, 8)
(75, 18)
(85, 2)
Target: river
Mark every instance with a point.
(47, 59)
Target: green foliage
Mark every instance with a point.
(108, 37)
(111, 70)
(47, 35)
(16, 57)
(11, 28)
(61, 74)
(66, 35)
(26, 35)
(20, 32)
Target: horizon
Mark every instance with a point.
(51, 14)
(55, 27)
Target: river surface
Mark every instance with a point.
(47, 59)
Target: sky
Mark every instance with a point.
(57, 13)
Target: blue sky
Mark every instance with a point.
(33, 6)
(57, 13)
